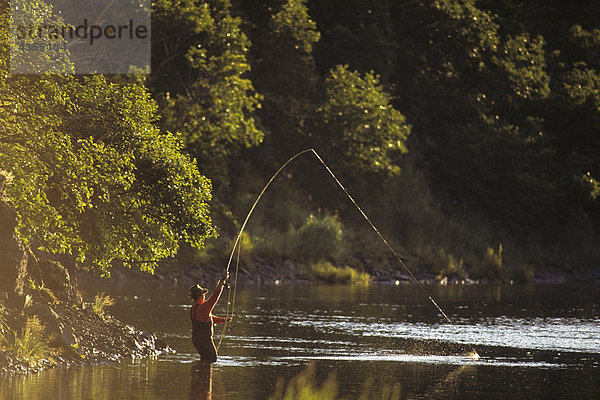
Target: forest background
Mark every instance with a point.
(468, 131)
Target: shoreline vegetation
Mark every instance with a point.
(47, 332)
(325, 272)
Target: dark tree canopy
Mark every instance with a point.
(493, 106)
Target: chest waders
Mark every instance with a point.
(202, 333)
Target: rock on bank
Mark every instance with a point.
(71, 335)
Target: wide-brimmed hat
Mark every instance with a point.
(197, 291)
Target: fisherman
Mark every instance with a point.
(202, 319)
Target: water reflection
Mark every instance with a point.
(201, 381)
(451, 385)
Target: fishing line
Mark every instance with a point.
(237, 243)
(231, 298)
(381, 236)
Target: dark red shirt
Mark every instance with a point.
(202, 309)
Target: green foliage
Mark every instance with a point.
(246, 242)
(53, 59)
(304, 387)
(318, 238)
(502, 99)
(467, 25)
(359, 33)
(3, 320)
(91, 176)
(246, 249)
(359, 127)
(292, 24)
(324, 270)
(286, 74)
(271, 244)
(289, 52)
(584, 44)
(101, 302)
(522, 59)
(208, 99)
(453, 268)
(494, 257)
(30, 344)
(593, 184)
(582, 85)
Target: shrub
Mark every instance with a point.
(347, 275)
(271, 245)
(453, 267)
(101, 302)
(318, 238)
(493, 257)
(492, 265)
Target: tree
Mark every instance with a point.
(199, 59)
(357, 126)
(288, 64)
(284, 72)
(90, 176)
(475, 97)
(358, 33)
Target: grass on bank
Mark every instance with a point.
(3, 320)
(326, 271)
(304, 386)
(29, 344)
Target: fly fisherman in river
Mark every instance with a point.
(202, 319)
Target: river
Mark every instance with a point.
(533, 341)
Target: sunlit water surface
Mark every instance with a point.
(533, 342)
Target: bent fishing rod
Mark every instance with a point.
(237, 242)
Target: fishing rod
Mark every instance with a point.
(239, 236)
(237, 243)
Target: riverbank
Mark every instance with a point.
(68, 335)
(287, 271)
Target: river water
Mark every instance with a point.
(533, 341)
